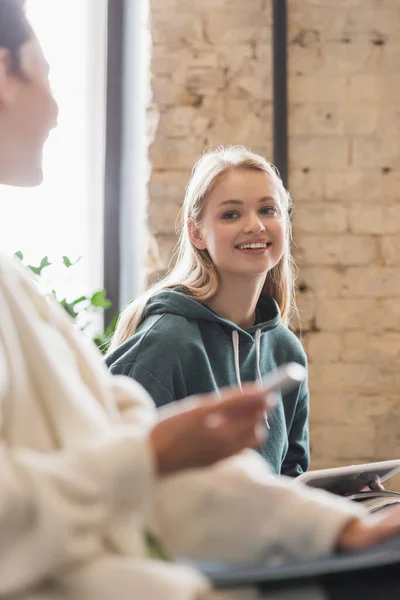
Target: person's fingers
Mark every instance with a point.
(384, 526)
(243, 402)
(238, 434)
(238, 413)
(230, 398)
(387, 526)
(375, 485)
(360, 534)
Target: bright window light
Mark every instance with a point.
(63, 216)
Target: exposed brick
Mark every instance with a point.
(320, 218)
(390, 247)
(389, 314)
(304, 320)
(306, 185)
(179, 32)
(362, 347)
(336, 249)
(375, 219)
(315, 119)
(323, 347)
(372, 282)
(349, 58)
(388, 437)
(344, 442)
(234, 56)
(375, 151)
(389, 120)
(346, 377)
(320, 152)
(326, 282)
(175, 153)
(366, 186)
(167, 186)
(365, 88)
(350, 408)
(307, 89)
(236, 26)
(166, 244)
(343, 314)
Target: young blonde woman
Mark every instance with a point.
(221, 316)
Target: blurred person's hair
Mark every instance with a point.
(14, 31)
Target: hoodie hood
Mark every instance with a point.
(177, 302)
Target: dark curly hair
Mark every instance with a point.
(14, 30)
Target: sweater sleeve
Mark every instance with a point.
(237, 511)
(55, 508)
(297, 459)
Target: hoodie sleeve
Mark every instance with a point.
(159, 390)
(237, 511)
(297, 459)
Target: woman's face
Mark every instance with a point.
(28, 112)
(244, 225)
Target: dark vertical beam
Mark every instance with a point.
(280, 95)
(113, 147)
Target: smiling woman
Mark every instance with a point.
(220, 317)
(63, 216)
(230, 230)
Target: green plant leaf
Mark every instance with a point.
(36, 270)
(99, 300)
(103, 339)
(109, 330)
(69, 308)
(69, 263)
(43, 264)
(66, 261)
(79, 300)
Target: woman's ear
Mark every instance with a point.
(195, 236)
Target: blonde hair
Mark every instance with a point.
(194, 268)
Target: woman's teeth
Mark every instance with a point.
(253, 246)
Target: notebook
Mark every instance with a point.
(350, 480)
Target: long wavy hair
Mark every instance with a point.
(194, 268)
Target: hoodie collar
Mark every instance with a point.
(177, 301)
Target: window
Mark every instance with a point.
(64, 215)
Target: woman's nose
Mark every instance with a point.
(254, 225)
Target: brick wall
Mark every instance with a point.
(344, 88)
(211, 82)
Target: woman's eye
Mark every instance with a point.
(230, 215)
(268, 210)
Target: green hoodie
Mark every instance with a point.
(182, 348)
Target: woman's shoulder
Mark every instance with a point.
(159, 336)
(174, 326)
(290, 345)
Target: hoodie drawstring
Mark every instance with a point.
(235, 343)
